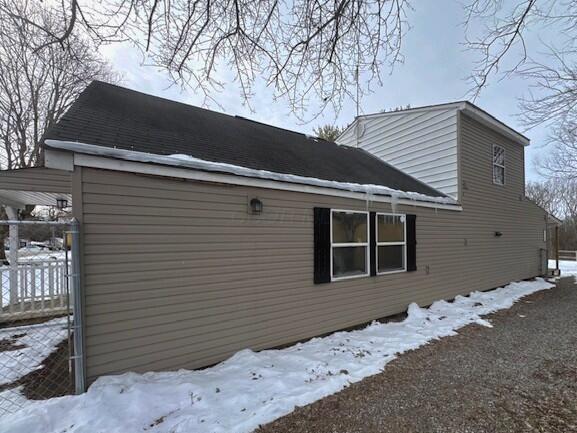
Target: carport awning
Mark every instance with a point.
(34, 186)
(23, 198)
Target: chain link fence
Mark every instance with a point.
(36, 320)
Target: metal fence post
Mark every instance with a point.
(38, 323)
(77, 298)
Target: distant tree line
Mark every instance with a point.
(558, 196)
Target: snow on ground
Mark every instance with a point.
(567, 267)
(35, 343)
(11, 400)
(49, 256)
(252, 388)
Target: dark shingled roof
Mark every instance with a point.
(112, 116)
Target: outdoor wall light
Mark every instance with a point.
(256, 206)
(498, 234)
(61, 203)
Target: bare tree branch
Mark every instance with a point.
(304, 49)
(498, 39)
(549, 67)
(37, 86)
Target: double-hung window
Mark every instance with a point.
(349, 244)
(498, 165)
(391, 245)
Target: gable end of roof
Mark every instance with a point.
(466, 107)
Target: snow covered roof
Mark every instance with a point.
(116, 118)
(186, 161)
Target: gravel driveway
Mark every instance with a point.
(519, 376)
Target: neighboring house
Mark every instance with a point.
(252, 236)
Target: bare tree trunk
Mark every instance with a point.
(37, 87)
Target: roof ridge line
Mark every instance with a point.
(196, 107)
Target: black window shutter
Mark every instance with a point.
(322, 245)
(373, 243)
(411, 242)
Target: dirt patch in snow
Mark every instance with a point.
(52, 379)
(10, 344)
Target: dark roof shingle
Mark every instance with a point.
(113, 116)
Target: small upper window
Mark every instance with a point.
(349, 244)
(498, 165)
(391, 243)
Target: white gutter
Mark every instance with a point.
(187, 167)
(484, 117)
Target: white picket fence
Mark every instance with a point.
(33, 289)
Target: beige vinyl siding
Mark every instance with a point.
(501, 208)
(422, 143)
(177, 273)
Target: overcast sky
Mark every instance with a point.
(434, 71)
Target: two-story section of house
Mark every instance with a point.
(427, 142)
(472, 157)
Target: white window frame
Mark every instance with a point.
(494, 164)
(384, 244)
(352, 244)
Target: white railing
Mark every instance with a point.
(32, 289)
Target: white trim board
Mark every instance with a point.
(111, 163)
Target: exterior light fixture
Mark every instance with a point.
(498, 234)
(61, 203)
(256, 206)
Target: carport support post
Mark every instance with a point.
(12, 214)
(77, 299)
(557, 247)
